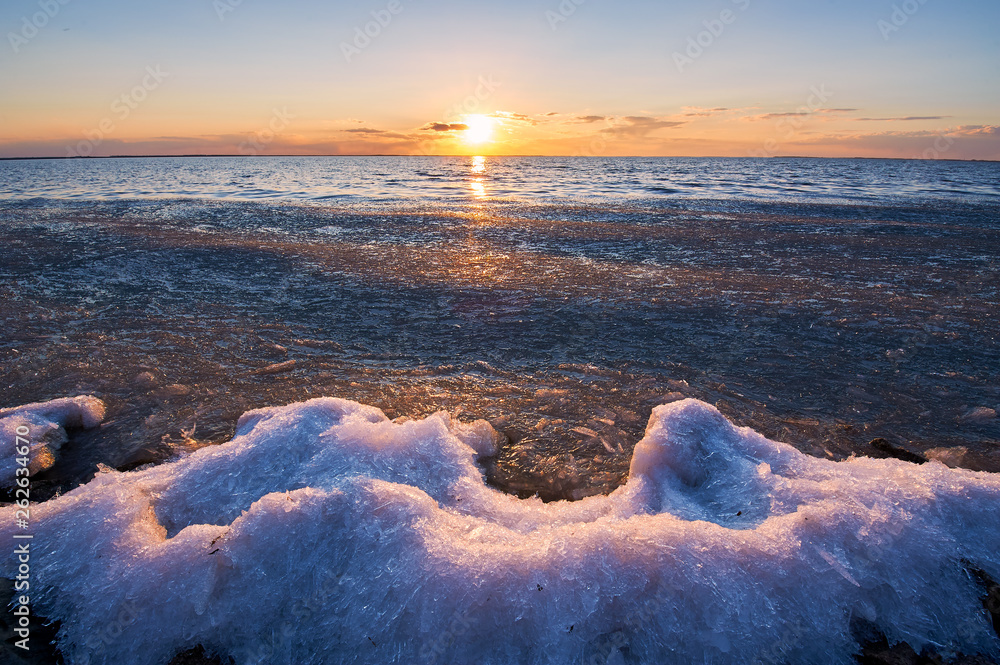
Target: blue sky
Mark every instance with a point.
(899, 76)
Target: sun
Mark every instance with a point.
(480, 129)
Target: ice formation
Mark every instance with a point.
(326, 533)
(46, 424)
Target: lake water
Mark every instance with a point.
(823, 303)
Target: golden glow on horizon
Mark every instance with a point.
(480, 129)
(689, 131)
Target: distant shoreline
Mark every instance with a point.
(892, 159)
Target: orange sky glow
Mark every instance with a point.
(577, 77)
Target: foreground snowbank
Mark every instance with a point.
(323, 532)
(46, 424)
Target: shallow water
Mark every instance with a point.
(825, 303)
(562, 306)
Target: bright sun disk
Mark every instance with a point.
(480, 129)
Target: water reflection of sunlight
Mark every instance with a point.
(478, 167)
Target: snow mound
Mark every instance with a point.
(326, 533)
(47, 423)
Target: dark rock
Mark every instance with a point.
(979, 414)
(172, 391)
(883, 449)
(197, 656)
(991, 601)
(876, 650)
(277, 368)
(145, 380)
(144, 455)
(880, 653)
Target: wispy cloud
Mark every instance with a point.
(702, 112)
(445, 127)
(978, 130)
(514, 117)
(903, 119)
(773, 116)
(634, 126)
(828, 113)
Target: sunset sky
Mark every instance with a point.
(872, 78)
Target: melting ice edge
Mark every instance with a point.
(323, 532)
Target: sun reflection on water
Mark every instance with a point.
(478, 168)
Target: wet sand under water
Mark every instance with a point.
(825, 328)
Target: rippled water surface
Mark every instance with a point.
(823, 302)
(452, 180)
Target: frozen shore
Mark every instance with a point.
(325, 532)
(42, 426)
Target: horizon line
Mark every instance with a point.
(189, 155)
